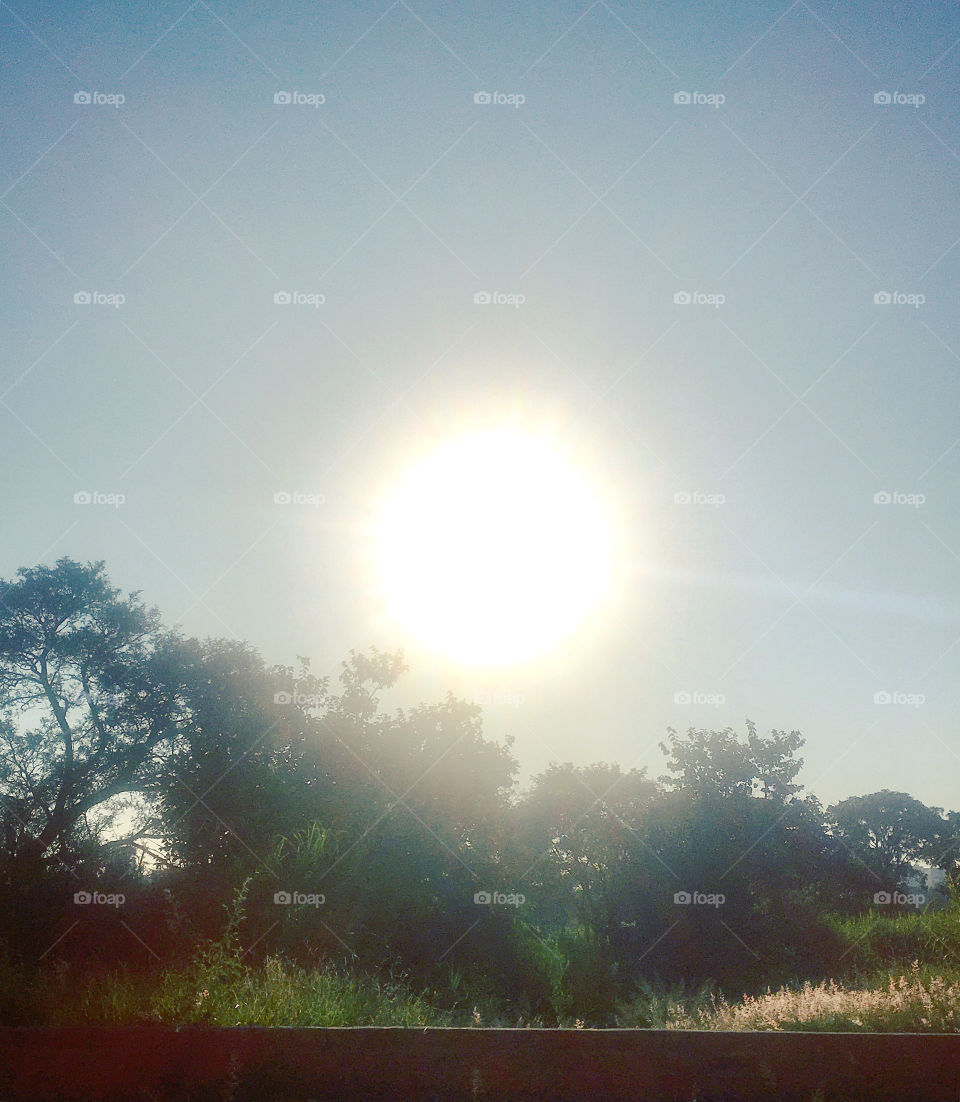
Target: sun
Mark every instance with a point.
(494, 549)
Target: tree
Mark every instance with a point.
(887, 831)
(84, 722)
(943, 849)
(415, 801)
(579, 829)
(581, 854)
(719, 763)
(774, 764)
(229, 784)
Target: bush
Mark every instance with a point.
(875, 942)
(19, 999)
(592, 982)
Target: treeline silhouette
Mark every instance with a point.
(147, 778)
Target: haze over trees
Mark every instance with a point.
(178, 773)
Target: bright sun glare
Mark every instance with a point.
(493, 549)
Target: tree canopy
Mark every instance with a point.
(120, 738)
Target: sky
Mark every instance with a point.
(722, 243)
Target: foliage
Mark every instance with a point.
(85, 715)
(887, 831)
(719, 763)
(190, 776)
(874, 942)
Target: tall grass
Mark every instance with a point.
(875, 942)
(917, 1001)
(222, 986)
(895, 973)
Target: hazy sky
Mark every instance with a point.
(781, 199)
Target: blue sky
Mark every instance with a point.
(782, 203)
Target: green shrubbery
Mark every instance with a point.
(881, 990)
(382, 865)
(875, 942)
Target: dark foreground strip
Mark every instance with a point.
(471, 1064)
